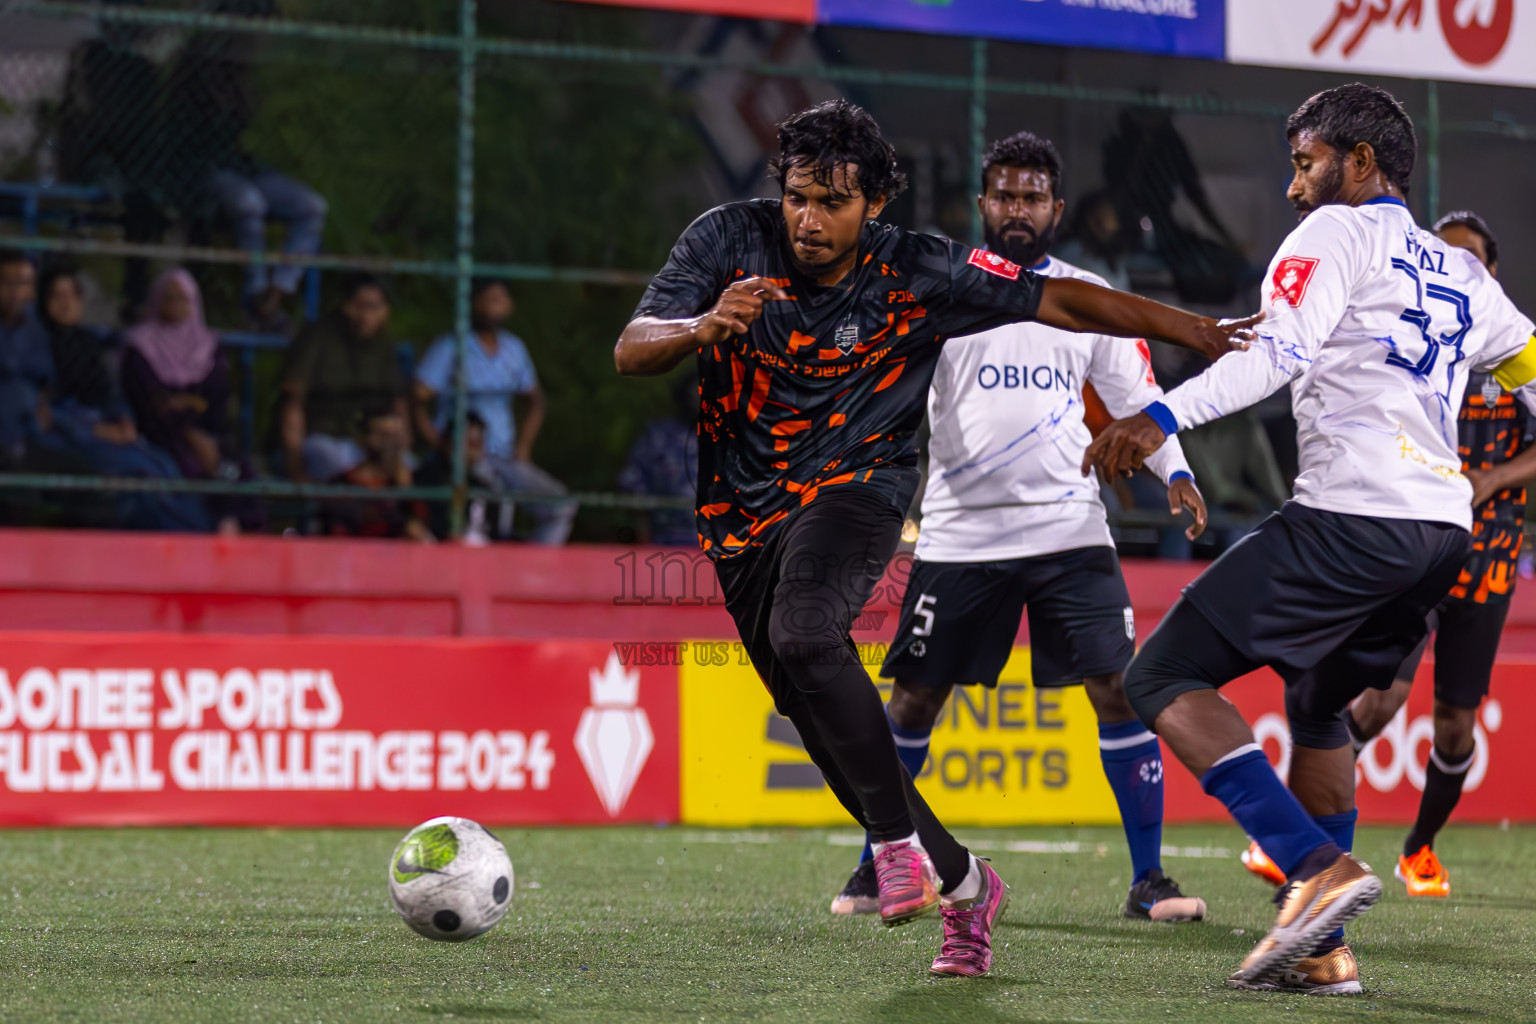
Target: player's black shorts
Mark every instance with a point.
(1466, 644)
(959, 619)
(1291, 592)
(1332, 602)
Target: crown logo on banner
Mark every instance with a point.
(614, 686)
(614, 736)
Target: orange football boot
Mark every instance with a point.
(1256, 861)
(1424, 874)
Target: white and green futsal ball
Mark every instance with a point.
(450, 879)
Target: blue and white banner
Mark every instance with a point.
(1180, 28)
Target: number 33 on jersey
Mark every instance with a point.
(1376, 324)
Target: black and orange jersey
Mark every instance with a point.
(1494, 427)
(828, 387)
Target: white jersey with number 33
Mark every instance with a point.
(1375, 323)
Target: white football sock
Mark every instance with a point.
(968, 889)
(913, 839)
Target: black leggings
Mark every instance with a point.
(794, 600)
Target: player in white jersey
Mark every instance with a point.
(1009, 522)
(1498, 457)
(1375, 324)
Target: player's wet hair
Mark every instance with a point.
(1026, 150)
(1348, 115)
(819, 139)
(1475, 224)
(9, 256)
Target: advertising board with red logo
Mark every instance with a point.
(122, 729)
(1389, 774)
(1469, 40)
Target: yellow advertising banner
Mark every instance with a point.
(1010, 755)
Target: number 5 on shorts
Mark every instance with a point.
(924, 610)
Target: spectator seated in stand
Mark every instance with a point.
(437, 471)
(497, 368)
(210, 103)
(664, 461)
(338, 368)
(26, 362)
(385, 442)
(26, 374)
(91, 418)
(177, 382)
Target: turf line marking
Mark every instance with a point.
(1039, 846)
(732, 838)
(1207, 852)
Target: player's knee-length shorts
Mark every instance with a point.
(959, 619)
(1332, 602)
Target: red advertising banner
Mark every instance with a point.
(1389, 775)
(116, 729)
(119, 729)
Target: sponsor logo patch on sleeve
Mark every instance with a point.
(992, 263)
(1146, 358)
(1292, 275)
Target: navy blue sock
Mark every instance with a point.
(1341, 829)
(1266, 810)
(912, 750)
(1133, 764)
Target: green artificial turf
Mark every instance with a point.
(694, 925)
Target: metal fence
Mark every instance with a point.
(453, 141)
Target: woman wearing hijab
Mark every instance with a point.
(178, 384)
(92, 421)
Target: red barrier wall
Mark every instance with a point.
(80, 580)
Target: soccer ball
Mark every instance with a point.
(450, 879)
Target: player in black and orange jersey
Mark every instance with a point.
(816, 332)
(1498, 457)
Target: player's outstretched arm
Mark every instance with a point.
(651, 345)
(1221, 390)
(1073, 305)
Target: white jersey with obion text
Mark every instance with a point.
(1006, 414)
(1375, 323)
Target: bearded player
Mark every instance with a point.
(1008, 522)
(816, 332)
(1375, 324)
(1496, 455)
